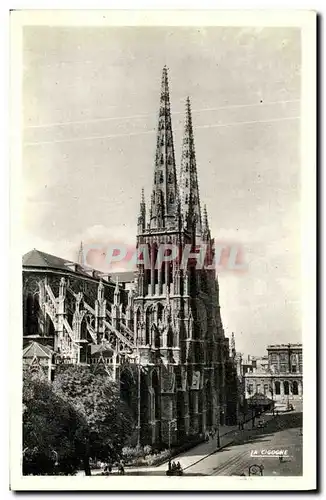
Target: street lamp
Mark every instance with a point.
(136, 358)
(218, 439)
(169, 423)
(138, 401)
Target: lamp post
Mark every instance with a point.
(218, 439)
(138, 401)
(170, 422)
(136, 358)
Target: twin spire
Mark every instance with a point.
(170, 202)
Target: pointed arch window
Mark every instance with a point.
(295, 390)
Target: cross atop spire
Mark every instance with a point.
(164, 194)
(190, 203)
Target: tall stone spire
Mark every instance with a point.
(142, 213)
(80, 259)
(165, 190)
(189, 191)
(206, 233)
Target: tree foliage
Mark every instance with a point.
(97, 399)
(52, 430)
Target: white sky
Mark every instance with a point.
(88, 151)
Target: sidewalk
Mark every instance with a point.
(201, 451)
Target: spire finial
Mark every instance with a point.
(190, 202)
(163, 199)
(142, 213)
(205, 215)
(81, 254)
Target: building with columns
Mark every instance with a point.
(162, 337)
(281, 379)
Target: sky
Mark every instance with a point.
(91, 97)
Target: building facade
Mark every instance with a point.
(277, 376)
(162, 337)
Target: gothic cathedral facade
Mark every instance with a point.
(163, 341)
(179, 335)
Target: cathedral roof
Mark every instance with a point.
(36, 258)
(34, 349)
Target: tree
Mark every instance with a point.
(97, 399)
(52, 430)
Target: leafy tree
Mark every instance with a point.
(52, 430)
(97, 399)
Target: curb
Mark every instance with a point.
(210, 454)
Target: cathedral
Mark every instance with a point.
(162, 339)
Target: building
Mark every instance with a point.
(160, 336)
(253, 363)
(279, 376)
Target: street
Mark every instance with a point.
(283, 433)
(240, 449)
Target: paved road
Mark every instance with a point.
(282, 433)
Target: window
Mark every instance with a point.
(162, 159)
(274, 359)
(294, 363)
(286, 388)
(277, 388)
(186, 199)
(187, 183)
(265, 389)
(258, 388)
(187, 166)
(283, 367)
(295, 391)
(300, 362)
(170, 178)
(251, 388)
